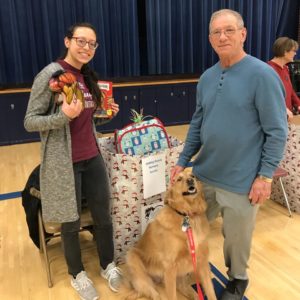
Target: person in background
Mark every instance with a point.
(284, 50)
(240, 128)
(71, 163)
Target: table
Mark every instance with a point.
(291, 163)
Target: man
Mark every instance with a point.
(240, 125)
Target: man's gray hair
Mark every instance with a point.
(239, 18)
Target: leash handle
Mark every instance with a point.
(189, 233)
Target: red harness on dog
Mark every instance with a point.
(186, 227)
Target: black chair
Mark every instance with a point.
(50, 230)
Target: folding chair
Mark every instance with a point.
(279, 173)
(50, 230)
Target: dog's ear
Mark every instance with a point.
(168, 195)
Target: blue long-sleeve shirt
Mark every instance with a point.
(240, 124)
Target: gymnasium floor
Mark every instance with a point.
(274, 265)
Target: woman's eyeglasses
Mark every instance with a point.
(81, 42)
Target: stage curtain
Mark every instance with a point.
(177, 31)
(32, 33)
(137, 37)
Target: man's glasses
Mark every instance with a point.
(81, 42)
(228, 32)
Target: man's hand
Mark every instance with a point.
(174, 172)
(289, 114)
(260, 191)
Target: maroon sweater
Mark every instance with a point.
(84, 144)
(291, 98)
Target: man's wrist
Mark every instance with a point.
(265, 179)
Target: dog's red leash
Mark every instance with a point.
(188, 229)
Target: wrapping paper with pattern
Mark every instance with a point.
(291, 163)
(141, 138)
(128, 207)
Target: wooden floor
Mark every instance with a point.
(274, 265)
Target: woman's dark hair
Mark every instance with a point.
(282, 45)
(90, 76)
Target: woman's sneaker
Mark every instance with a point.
(114, 276)
(84, 286)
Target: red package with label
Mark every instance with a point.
(106, 89)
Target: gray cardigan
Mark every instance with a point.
(56, 174)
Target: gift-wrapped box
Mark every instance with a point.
(130, 211)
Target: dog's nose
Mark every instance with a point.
(190, 181)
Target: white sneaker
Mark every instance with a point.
(114, 276)
(84, 286)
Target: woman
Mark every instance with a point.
(71, 163)
(284, 50)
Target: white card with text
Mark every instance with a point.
(154, 174)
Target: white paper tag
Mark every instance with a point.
(154, 174)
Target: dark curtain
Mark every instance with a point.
(177, 31)
(32, 32)
(137, 37)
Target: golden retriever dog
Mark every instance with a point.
(163, 255)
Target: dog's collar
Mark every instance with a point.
(185, 221)
(180, 213)
(183, 214)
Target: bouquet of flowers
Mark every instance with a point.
(65, 82)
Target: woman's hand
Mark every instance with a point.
(115, 108)
(73, 109)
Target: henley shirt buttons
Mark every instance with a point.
(222, 78)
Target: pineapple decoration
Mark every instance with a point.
(65, 82)
(137, 117)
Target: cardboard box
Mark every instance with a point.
(107, 99)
